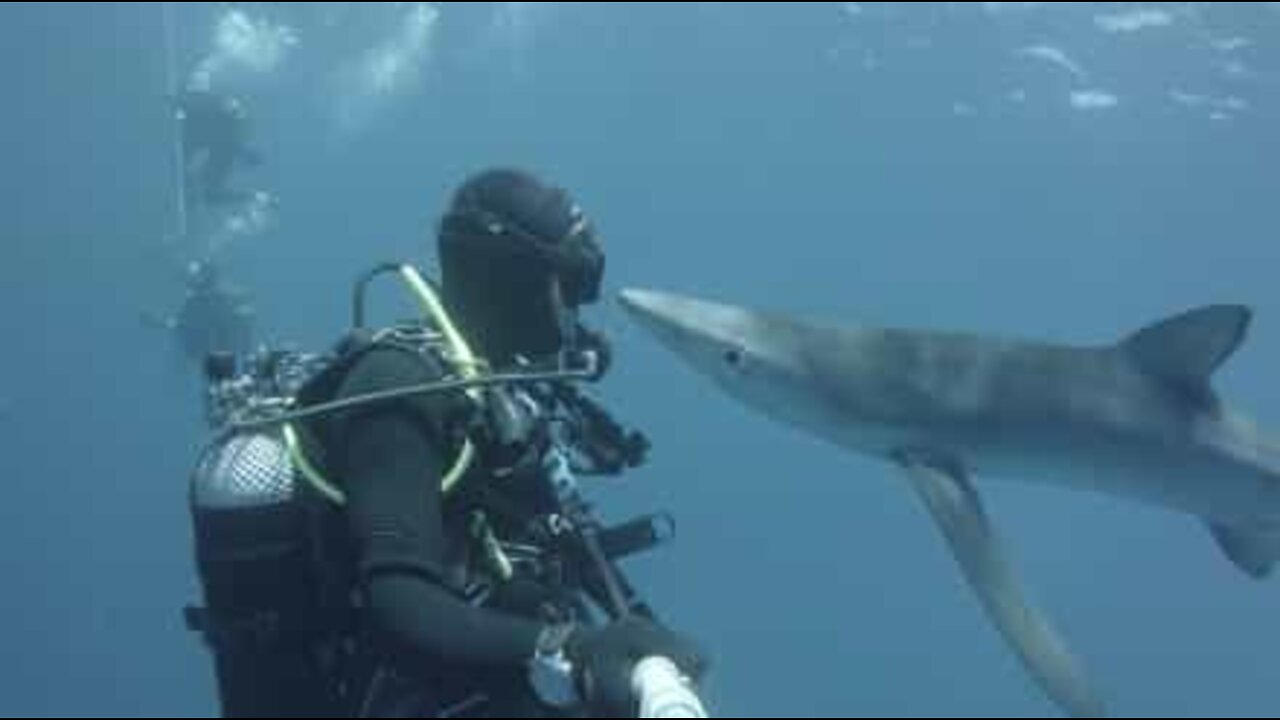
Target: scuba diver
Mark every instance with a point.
(397, 529)
(214, 318)
(215, 142)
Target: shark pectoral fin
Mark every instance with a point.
(1252, 550)
(957, 508)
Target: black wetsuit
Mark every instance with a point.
(409, 543)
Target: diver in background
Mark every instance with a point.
(215, 143)
(214, 318)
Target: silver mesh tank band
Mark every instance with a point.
(249, 471)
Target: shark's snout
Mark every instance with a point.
(683, 325)
(638, 302)
(655, 311)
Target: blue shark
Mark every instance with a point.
(1136, 419)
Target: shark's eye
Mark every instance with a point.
(735, 358)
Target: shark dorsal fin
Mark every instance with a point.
(1187, 350)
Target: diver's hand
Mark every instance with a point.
(604, 661)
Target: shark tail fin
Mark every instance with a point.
(1255, 550)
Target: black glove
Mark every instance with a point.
(604, 660)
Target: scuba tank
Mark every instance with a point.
(278, 614)
(265, 618)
